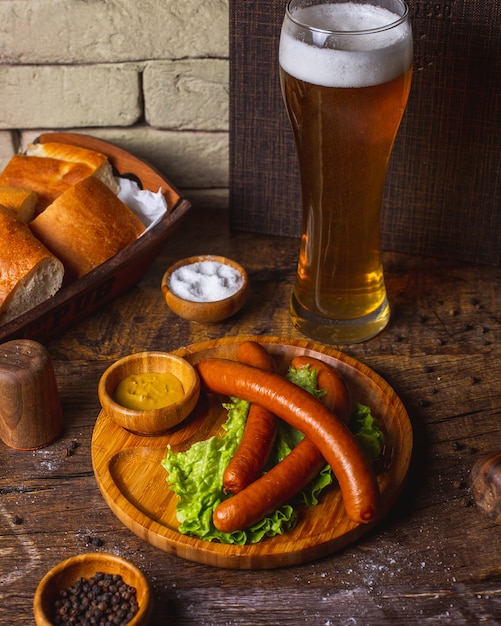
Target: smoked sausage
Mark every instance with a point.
(253, 353)
(337, 396)
(300, 409)
(283, 481)
(260, 429)
(273, 489)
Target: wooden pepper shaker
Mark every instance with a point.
(30, 409)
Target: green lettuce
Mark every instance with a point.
(367, 432)
(196, 475)
(306, 377)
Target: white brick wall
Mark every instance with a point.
(187, 95)
(150, 76)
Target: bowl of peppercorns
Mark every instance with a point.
(93, 588)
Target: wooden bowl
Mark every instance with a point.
(207, 311)
(68, 572)
(150, 422)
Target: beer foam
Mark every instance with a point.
(347, 59)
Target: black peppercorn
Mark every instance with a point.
(103, 599)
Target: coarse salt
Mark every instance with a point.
(205, 281)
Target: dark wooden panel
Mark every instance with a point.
(443, 191)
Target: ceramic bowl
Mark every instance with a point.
(68, 572)
(151, 422)
(207, 311)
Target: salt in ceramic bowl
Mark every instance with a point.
(87, 565)
(204, 300)
(151, 422)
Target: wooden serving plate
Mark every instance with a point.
(78, 300)
(130, 476)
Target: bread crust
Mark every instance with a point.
(96, 161)
(67, 152)
(21, 201)
(51, 168)
(48, 177)
(86, 226)
(24, 262)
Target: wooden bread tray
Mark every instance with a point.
(80, 299)
(133, 483)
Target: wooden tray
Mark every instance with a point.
(77, 301)
(133, 482)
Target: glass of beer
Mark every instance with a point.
(345, 73)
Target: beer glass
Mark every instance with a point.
(345, 73)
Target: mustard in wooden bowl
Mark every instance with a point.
(149, 390)
(149, 393)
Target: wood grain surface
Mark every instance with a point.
(435, 559)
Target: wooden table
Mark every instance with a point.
(435, 560)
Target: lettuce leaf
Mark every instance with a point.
(305, 377)
(196, 475)
(367, 432)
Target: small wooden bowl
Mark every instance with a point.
(210, 311)
(151, 422)
(68, 572)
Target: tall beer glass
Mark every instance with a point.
(345, 72)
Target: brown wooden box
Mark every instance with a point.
(443, 194)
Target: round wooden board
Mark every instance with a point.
(130, 476)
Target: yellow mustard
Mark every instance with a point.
(150, 390)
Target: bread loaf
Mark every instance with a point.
(21, 201)
(50, 169)
(29, 273)
(96, 161)
(86, 226)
